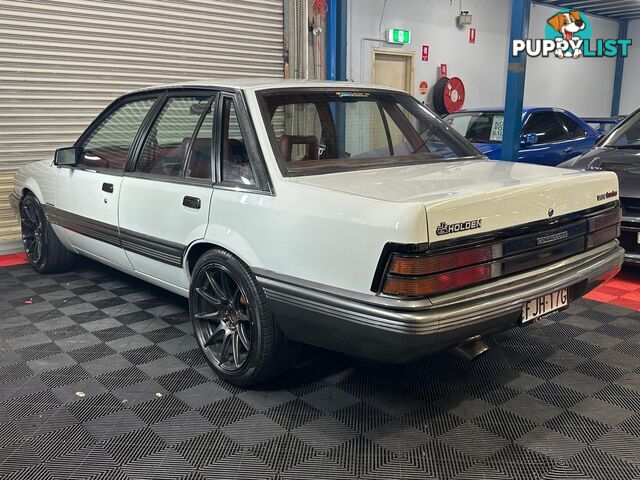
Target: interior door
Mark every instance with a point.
(86, 203)
(165, 199)
(393, 69)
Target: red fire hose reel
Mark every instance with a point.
(448, 95)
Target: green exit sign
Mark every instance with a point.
(395, 35)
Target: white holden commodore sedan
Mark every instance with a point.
(344, 216)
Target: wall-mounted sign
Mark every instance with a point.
(425, 53)
(443, 70)
(472, 35)
(423, 87)
(396, 35)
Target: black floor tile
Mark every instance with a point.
(100, 377)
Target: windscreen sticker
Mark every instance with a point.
(497, 128)
(352, 94)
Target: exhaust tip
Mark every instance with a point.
(470, 349)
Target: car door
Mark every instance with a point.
(550, 133)
(579, 141)
(166, 194)
(86, 200)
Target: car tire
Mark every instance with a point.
(232, 321)
(45, 252)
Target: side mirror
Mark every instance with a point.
(66, 156)
(528, 139)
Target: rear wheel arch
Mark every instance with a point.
(197, 249)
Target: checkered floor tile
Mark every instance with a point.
(100, 377)
(13, 259)
(623, 290)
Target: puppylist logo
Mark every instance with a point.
(568, 34)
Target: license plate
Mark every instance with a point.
(544, 305)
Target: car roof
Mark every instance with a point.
(262, 84)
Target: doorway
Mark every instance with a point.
(393, 68)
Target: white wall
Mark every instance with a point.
(583, 86)
(481, 66)
(630, 98)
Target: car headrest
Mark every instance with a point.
(286, 143)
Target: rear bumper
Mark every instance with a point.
(402, 330)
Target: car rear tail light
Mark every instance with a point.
(424, 286)
(447, 261)
(604, 228)
(431, 273)
(603, 221)
(603, 236)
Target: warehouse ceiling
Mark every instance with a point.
(618, 10)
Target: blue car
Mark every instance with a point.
(549, 135)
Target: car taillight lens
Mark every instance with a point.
(604, 228)
(604, 221)
(439, 263)
(443, 282)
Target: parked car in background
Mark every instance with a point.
(549, 135)
(327, 213)
(603, 125)
(619, 152)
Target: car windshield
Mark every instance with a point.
(626, 136)
(320, 131)
(478, 127)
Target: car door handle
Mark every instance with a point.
(107, 187)
(191, 202)
(568, 149)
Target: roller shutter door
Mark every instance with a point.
(63, 61)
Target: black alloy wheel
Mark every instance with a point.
(45, 252)
(233, 323)
(33, 231)
(222, 319)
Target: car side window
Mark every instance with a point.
(107, 146)
(170, 136)
(546, 126)
(199, 162)
(235, 163)
(574, 129)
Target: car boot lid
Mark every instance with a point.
(462, 198)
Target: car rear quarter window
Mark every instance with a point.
(236, 165)
(574, 129)
(107, 146)
(546, 126)
(200, 157)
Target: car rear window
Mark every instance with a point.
(323, 131)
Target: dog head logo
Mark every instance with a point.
(569, 29)
(568, 24)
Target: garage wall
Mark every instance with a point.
(630, 98)
(583, 86)
(481, 66)
(63, 61)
